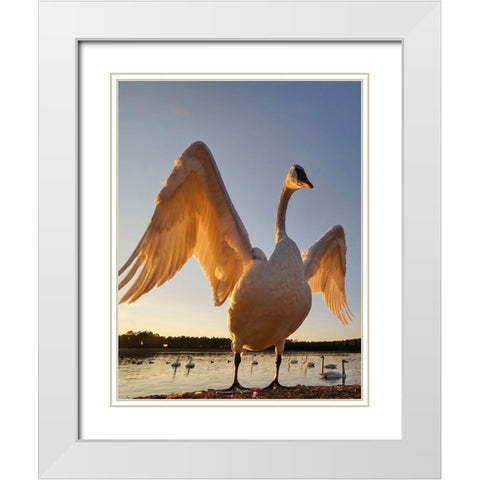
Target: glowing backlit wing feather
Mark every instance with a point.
(193, 216)
(325, 268)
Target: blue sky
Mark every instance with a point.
(256, 130)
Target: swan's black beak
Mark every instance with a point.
(304, 181)
(307, 184)
(302, 178)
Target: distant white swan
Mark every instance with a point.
(292, 360)
(176, 363)
(190, 364)
(307, 364)
(254, 360)
(330, 366)
(332, 375)
(269, 298)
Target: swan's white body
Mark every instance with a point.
(190, 363)
(269, 298)
(292, 360)
(306, 363)
(258, 321)
(330, 366)
(176, 363)
(331, 375)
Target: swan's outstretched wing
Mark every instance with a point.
(194, 216)
(325, 268)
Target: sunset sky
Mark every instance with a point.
(255, 130)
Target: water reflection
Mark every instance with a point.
(142, 373)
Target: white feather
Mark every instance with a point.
(193, 216)
(325, 269)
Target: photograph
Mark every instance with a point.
(238, 220)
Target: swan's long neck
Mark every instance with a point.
(323, 361)
(280, 231)
(343, 369)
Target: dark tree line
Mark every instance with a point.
(352, 345)
(154, 340)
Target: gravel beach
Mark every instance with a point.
(298, 392)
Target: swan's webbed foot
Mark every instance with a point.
(233, 388)
(275, 384)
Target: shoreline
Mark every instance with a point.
(149, 350)
(298, 392)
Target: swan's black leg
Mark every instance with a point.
(275, 382)
(236, 383)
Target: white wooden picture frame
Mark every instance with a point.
(63, 25)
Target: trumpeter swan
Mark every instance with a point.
(292, 360)
(270, 298)
(332, 375)
(306, 363)
(176, 363)
(190, 364)
(254, 360)
(330, 366)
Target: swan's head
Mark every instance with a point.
(297, 178)
(258, 254)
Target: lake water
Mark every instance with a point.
(151, 373)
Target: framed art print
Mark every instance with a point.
(178, 313)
